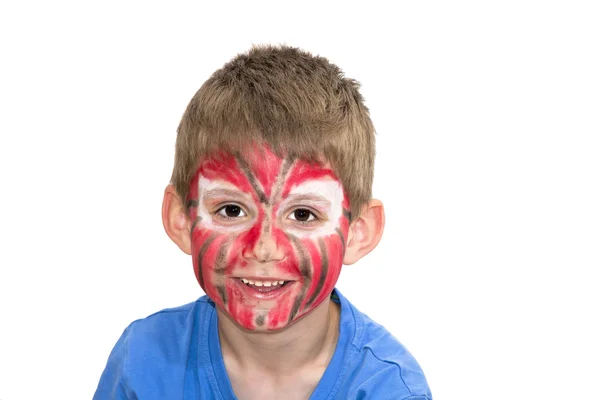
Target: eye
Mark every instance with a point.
(302, 215)
(231, 211)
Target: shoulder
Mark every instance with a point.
(167, 333)
(152, 350)
(386, 368)
(168, 320)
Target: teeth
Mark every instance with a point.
(261, 283)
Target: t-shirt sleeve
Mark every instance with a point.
(112, 385)
(385, 380)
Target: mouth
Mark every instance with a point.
(264, 289)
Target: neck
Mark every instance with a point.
(309, 342)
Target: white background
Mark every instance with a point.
(488, 163)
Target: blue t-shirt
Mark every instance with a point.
(176, 354)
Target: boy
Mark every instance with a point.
(270, 194)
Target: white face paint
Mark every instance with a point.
(323, 194)
(206, 188)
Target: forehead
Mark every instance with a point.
(262, 171)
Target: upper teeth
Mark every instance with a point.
(262, 283)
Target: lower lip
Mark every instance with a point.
(266, 294)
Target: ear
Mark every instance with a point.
(365, 232)
(175, 219)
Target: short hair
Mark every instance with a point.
(301, 105)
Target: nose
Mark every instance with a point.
(264, 248)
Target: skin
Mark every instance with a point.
(261, 217)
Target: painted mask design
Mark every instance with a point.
(268, 235)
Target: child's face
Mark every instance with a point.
(268, 236)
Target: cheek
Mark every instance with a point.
(326, 258)
(318, 268)
(290, 263)
(201, 243)
(334, 246)
(209, 255)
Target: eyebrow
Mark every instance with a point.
(218, 192)
(312, 197)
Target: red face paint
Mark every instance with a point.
(268, 235)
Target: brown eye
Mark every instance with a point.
(231, 211)
(302, 215)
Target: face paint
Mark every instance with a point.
(268, 235)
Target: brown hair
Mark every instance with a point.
(299, 104)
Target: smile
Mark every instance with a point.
(264, 289)
(261, 283)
